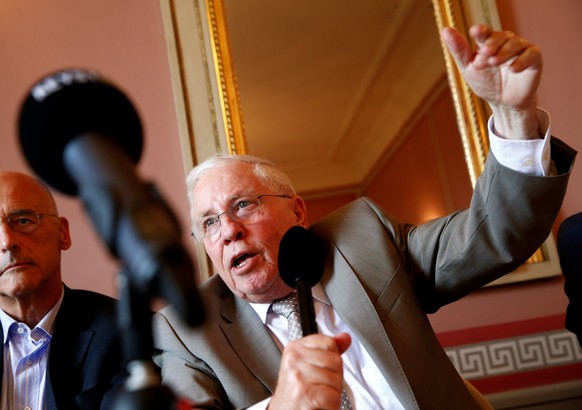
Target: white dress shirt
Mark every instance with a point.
(363, 382)
(25, 356)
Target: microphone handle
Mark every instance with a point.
(306, 309)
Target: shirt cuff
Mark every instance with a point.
(262, 405)
(527, 156)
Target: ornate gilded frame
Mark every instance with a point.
(209, 112)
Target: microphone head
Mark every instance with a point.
(67, 104)
(301, 257)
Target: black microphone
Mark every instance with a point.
(301, 264)
(82, 136)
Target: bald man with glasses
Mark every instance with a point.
(60, 346)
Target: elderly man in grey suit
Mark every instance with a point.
(375, 345)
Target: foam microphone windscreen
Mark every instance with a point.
(65, 105)
(301, 257)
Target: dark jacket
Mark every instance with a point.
(85, 360)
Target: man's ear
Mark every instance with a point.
(65, 235)
(300, 210)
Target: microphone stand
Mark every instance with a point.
(93, 134)
(143, 388)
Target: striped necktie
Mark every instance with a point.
(289, 308)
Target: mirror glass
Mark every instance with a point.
(349, 98)
(327, 88)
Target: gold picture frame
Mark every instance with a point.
(209, 113)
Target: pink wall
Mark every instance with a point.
(125, 41)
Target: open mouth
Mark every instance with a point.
(240, 260)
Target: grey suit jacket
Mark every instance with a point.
(382, 278)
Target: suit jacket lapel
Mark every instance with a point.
(68, 348)
(354, 306)
(251, 340)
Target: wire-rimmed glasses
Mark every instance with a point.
(239, 209)
(24, 221)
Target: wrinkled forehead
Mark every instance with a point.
(217, 187)
(19, 191)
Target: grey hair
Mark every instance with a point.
(265, 170)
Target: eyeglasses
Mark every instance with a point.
(239, 210)
(24, 221)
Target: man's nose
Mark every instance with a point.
(7, 237)
(230, 229)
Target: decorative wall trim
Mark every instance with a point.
(516, 354)
(508, 358)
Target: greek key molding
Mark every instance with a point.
(514, 355)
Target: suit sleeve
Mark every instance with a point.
(190, 378)
(510, 216)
